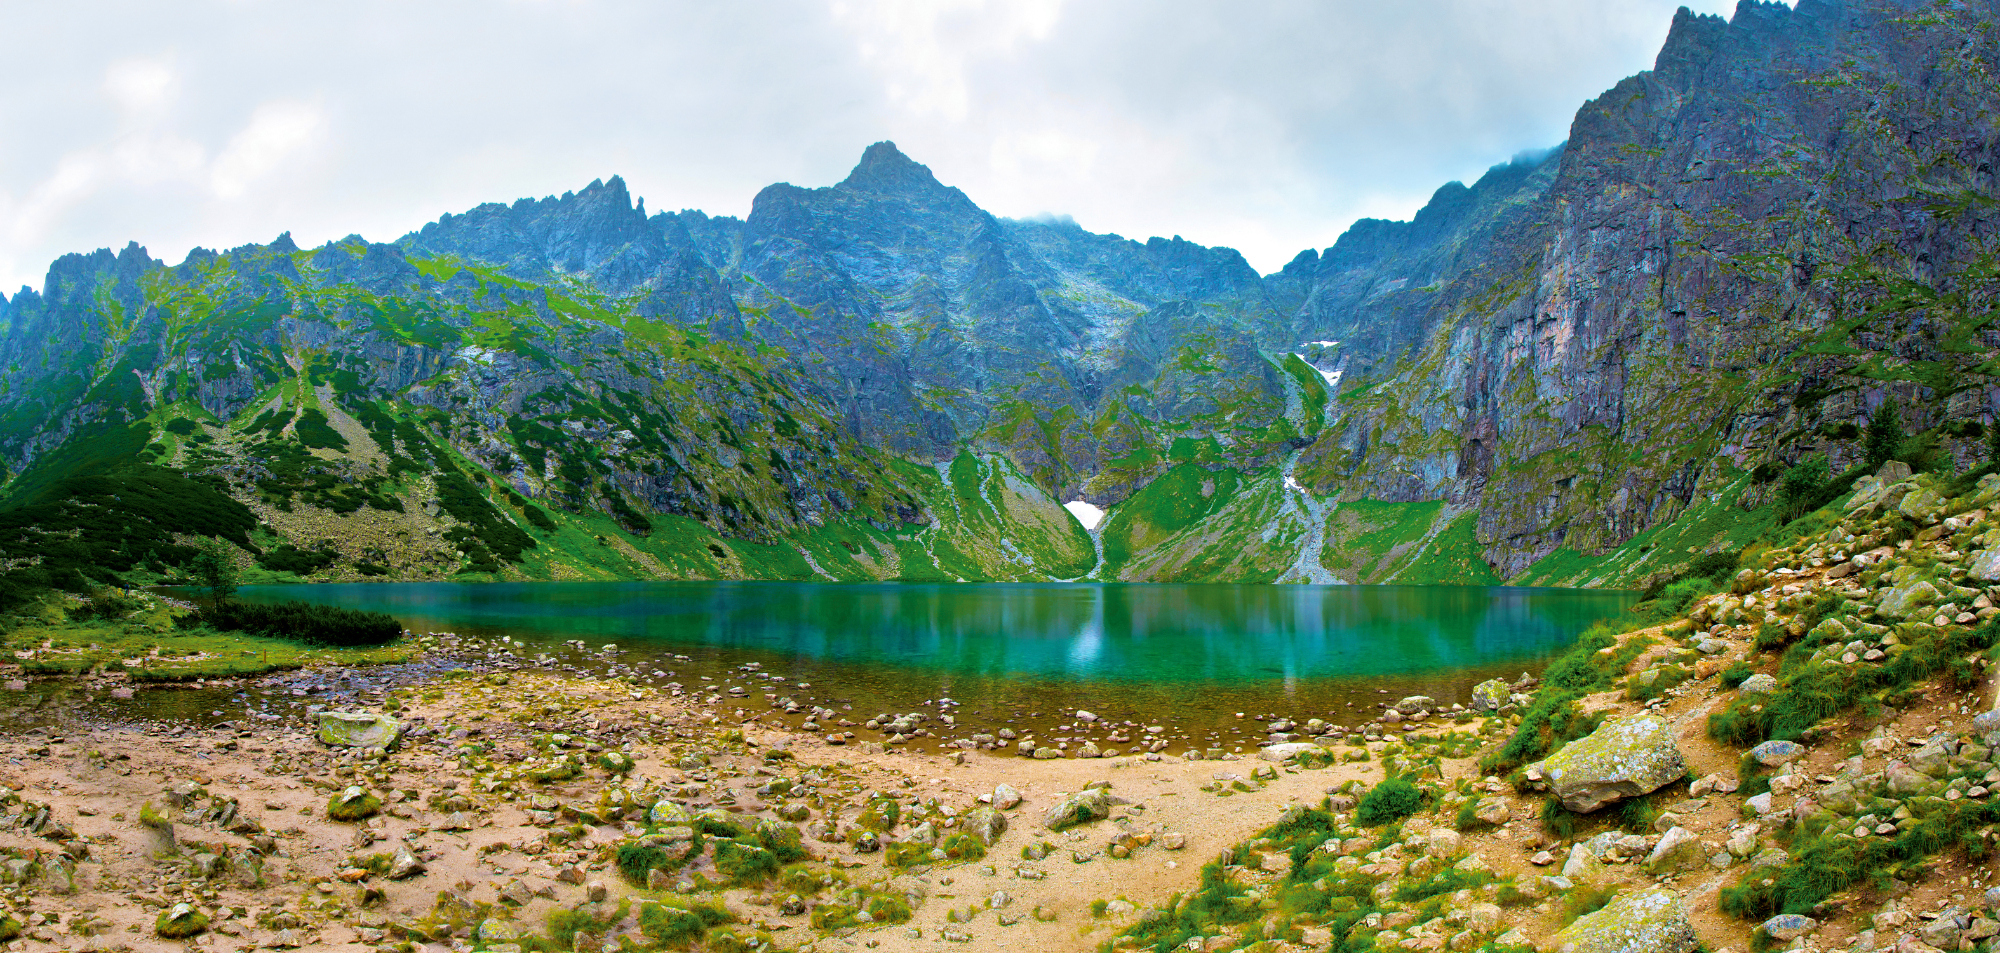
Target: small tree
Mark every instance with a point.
(1993, 442)
(214, 570)
(1885, 435)
(1800, 490)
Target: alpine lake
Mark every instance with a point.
(1211, 664)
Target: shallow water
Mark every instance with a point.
(1193, 656)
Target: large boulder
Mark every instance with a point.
(1416, 703)
(1922, 504)
(1490, 695)
(1909, 598)
(1985, 566)
(1627, 757)
(1649, 921)
(358, 729)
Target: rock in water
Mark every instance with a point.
(1649, 921)
(1079, 808)
(1416, 703)
(1625, 758)
(358, 729)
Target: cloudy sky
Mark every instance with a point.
(1266, 126)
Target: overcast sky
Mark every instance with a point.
(1265, 126)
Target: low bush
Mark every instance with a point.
(306, 622)
(1388, 802)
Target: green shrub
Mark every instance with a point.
(635, 861)
(1737, 674)
(306, 622)
(745, 861)
(670, 926)
(1390, 801)
(302, 562)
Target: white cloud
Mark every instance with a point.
(141, 85)
(1264, 126)
(922, 48)
(277, 132)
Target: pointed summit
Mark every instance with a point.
(884, 169)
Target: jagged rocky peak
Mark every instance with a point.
(533, 238)
(886, 170)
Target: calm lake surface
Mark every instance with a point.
(1022, 653)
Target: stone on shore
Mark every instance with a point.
(1287, 751)
(1491, 695)
(1079, 808)
(358, 729)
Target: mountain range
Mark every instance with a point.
(1588, 367)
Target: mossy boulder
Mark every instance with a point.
(1491, 695)
(985, 823)
(1079, 808)
(358, 729)
(180, 921)
(669, 814)
(1922, 504)
(1909, 598)
(493, 931)
(1649, 921)
(1627, 757)
(353, 804)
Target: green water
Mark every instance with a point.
(1021, 654)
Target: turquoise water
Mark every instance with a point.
(1081, 632)
(1210, 660)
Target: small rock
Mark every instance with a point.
(1786, 927)
(1775, 752)
(1758, 684)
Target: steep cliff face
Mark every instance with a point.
(1735, 258)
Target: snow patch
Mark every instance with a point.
(1319, 344)
(1085, 513)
